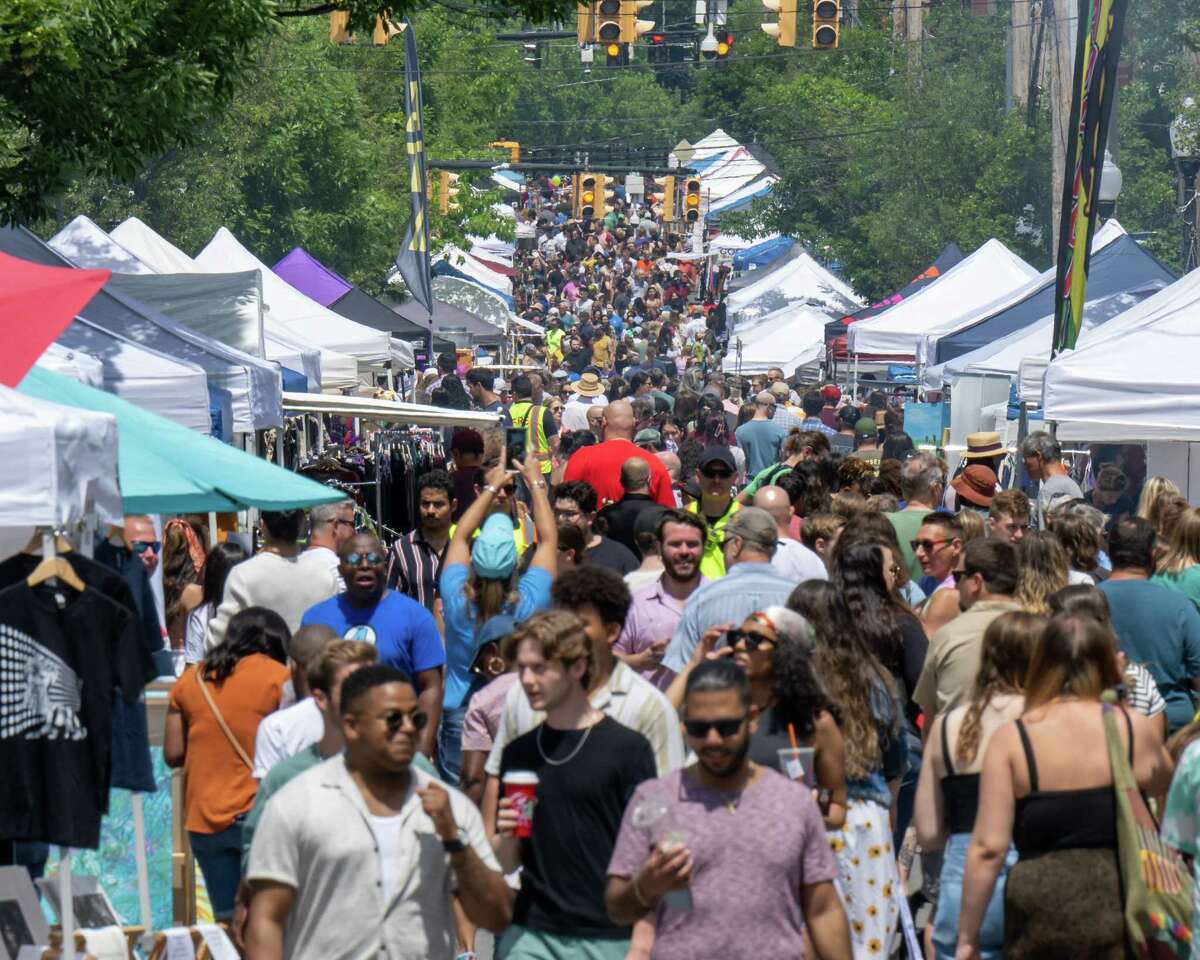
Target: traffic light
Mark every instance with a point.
(827, 17)
(588, 188)
(658, 49)
(339, 27)
(631, 27)
(724, 43)
(607, 20)
(691, 199)
(603, 196)
(784, 31)
(667, 214)
(616, 54)
(512, 146)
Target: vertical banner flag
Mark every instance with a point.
(1098, 47)
(413, 258)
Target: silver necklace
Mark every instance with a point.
(570, 756)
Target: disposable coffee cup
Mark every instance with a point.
(521, 787)
(796, 763)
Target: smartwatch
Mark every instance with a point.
(458, 844)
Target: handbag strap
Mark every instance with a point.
(212, 705)
(1119, 763)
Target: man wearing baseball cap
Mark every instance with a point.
(748, 542)
(714, 476)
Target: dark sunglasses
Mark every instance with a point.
(928, 545)
(960, 575)
(394, 720)
(372, 558)
(716, 474)
(751, 640)
(141, 546)
(698, 729)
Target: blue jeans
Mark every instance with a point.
(906, 798)
(220, 857)
(945, 923)
(449, 758)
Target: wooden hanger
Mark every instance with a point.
(56, 567)
(61, 543)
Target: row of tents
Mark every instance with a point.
(216, 341)
(1133, 374)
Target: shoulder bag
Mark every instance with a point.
(212, 705)
(1156, 885)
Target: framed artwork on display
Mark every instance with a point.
(21, 920)
(93, 909)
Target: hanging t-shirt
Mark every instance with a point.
(131, 765)
(575, 822)
(61, 660)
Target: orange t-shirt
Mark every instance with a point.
(218, 785)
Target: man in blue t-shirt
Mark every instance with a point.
(1155, 626)
(403, 631)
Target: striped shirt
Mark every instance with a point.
(1141, 690)
(414, 567)
(745, 589)
(627, 698)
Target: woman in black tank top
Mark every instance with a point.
(1063, 898)
(948, 791)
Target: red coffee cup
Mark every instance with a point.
(521, 787)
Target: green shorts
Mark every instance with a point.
(519, 943)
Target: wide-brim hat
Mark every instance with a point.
(588, 385)
(984, 446)
(976, 484)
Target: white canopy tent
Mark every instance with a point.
(800, 280)
(253, 385)
(172, 388)
(67, 468)
(228, 307)
(1006, 356)
(1137, 376)
(788, 338)
(979, 280)
(74, 364)
(387, 411)
(299, 317)
(83, 243)
(1108, 232)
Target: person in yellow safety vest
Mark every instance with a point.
(541, 432)
(554, 339)
(505, 501)
(716, 505)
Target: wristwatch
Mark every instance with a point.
(458, 844)
(491, 488)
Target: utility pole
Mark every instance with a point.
(1060, 60)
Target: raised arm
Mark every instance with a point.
(546, 554)
(459, 550)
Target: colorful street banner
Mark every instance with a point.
(413, 259)
(1097, 50)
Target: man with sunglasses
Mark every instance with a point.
(403, 631)
(985, 586)
(714, 476)
(938, 548)
(720, 831)
(143, 542)
(360, 856)
(749, 544)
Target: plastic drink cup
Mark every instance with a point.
(521, 787)
(796, 763)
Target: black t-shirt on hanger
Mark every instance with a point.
(61, 661)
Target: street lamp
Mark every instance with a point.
(1110, 187)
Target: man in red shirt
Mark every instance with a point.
(600, 465)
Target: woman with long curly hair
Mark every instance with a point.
(184, 546)
(1044, 569)
(948, 791)
(865, 693)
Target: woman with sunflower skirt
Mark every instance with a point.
(876, 755)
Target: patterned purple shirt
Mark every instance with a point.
(653, 616)
(771, 843)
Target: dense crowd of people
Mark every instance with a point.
(712, 667)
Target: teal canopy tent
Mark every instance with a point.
(167, 468)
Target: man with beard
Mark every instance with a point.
(403, 631)
(657, 608)
(720, 832)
